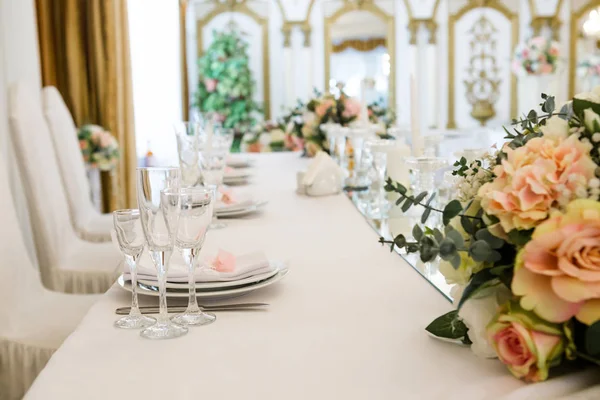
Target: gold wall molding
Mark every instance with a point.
(452, 20)
(240, 6)
(287, 28)
(413, 29)
(576, 16)
(358, 44)
(371, 7)
(552, 22)
(185, 81)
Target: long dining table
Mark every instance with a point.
(347, 322)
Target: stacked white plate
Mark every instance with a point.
(239, 208)
(239, 161)
(237, 176)
(212, 290)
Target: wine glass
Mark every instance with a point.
(159, 210)
(196, 215)
(188, 147)
(130, 238)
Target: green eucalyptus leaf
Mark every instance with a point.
(448, 326)
(494, 242)
(425, 215)
(455, 261)
(447, 249)
(438, 235)
(420, 197)
(467, 225)
(580, 105)
(451, 210)
(480, 251)
(400, 241)
(456, 237)
(520, 238)
(417, 232)
(407, 204)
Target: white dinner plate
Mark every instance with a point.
(239, 162)
(233, 211)
(214, 294)
(235, 180)
(200, 286)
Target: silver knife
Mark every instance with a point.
(178, 309)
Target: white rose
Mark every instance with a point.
(591, 120)
(477, 312)
(555, 128)
(277, 136)
(248, 137)
(264, 139)
(589, 96)
(309, 117)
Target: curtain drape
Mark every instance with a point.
(358, 44)
(84, 51)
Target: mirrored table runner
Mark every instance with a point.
(394, 225)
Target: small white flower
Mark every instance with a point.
(596, 137)
(594, 183)
(581, 193)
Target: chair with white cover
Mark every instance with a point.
(33, 320)
(67, 263)
(88, 223)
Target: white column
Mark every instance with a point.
(288, 77)
(422, 77)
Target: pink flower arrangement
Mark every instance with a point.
(558, 271)
(352, 108)
(524, 248)
(324, 106)
(535, 178)
(527, 345)
(536, 56)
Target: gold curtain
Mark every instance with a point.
(359, 45)
(84, 50)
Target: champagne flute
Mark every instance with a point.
(160, 210)
(130, 238)
(196, 215)
(188, 148)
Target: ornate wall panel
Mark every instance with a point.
(481, 85)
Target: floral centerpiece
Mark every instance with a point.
(225, 84)
(536, 56)
(320, 110)
(590, 67)
(264, 137)
(98, 147)
(522, 243)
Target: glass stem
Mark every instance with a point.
(132, 263)
(190, 256)
(161, 259)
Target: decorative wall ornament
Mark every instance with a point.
(453, 19)
(482, 87)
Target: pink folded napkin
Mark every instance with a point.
(222, 267)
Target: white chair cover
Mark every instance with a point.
(33, 321)
(67, 263)
(89, 224)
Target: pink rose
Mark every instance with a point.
(293, 142)
(254, 147)
(211, 85)
(547, 69)
(83, 144)
(323, 107)
(527, 345)
(351, 108)
(535, 179)
(558, 272)
(106, 139)
(96, 136)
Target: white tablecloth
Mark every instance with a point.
(346, 323)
